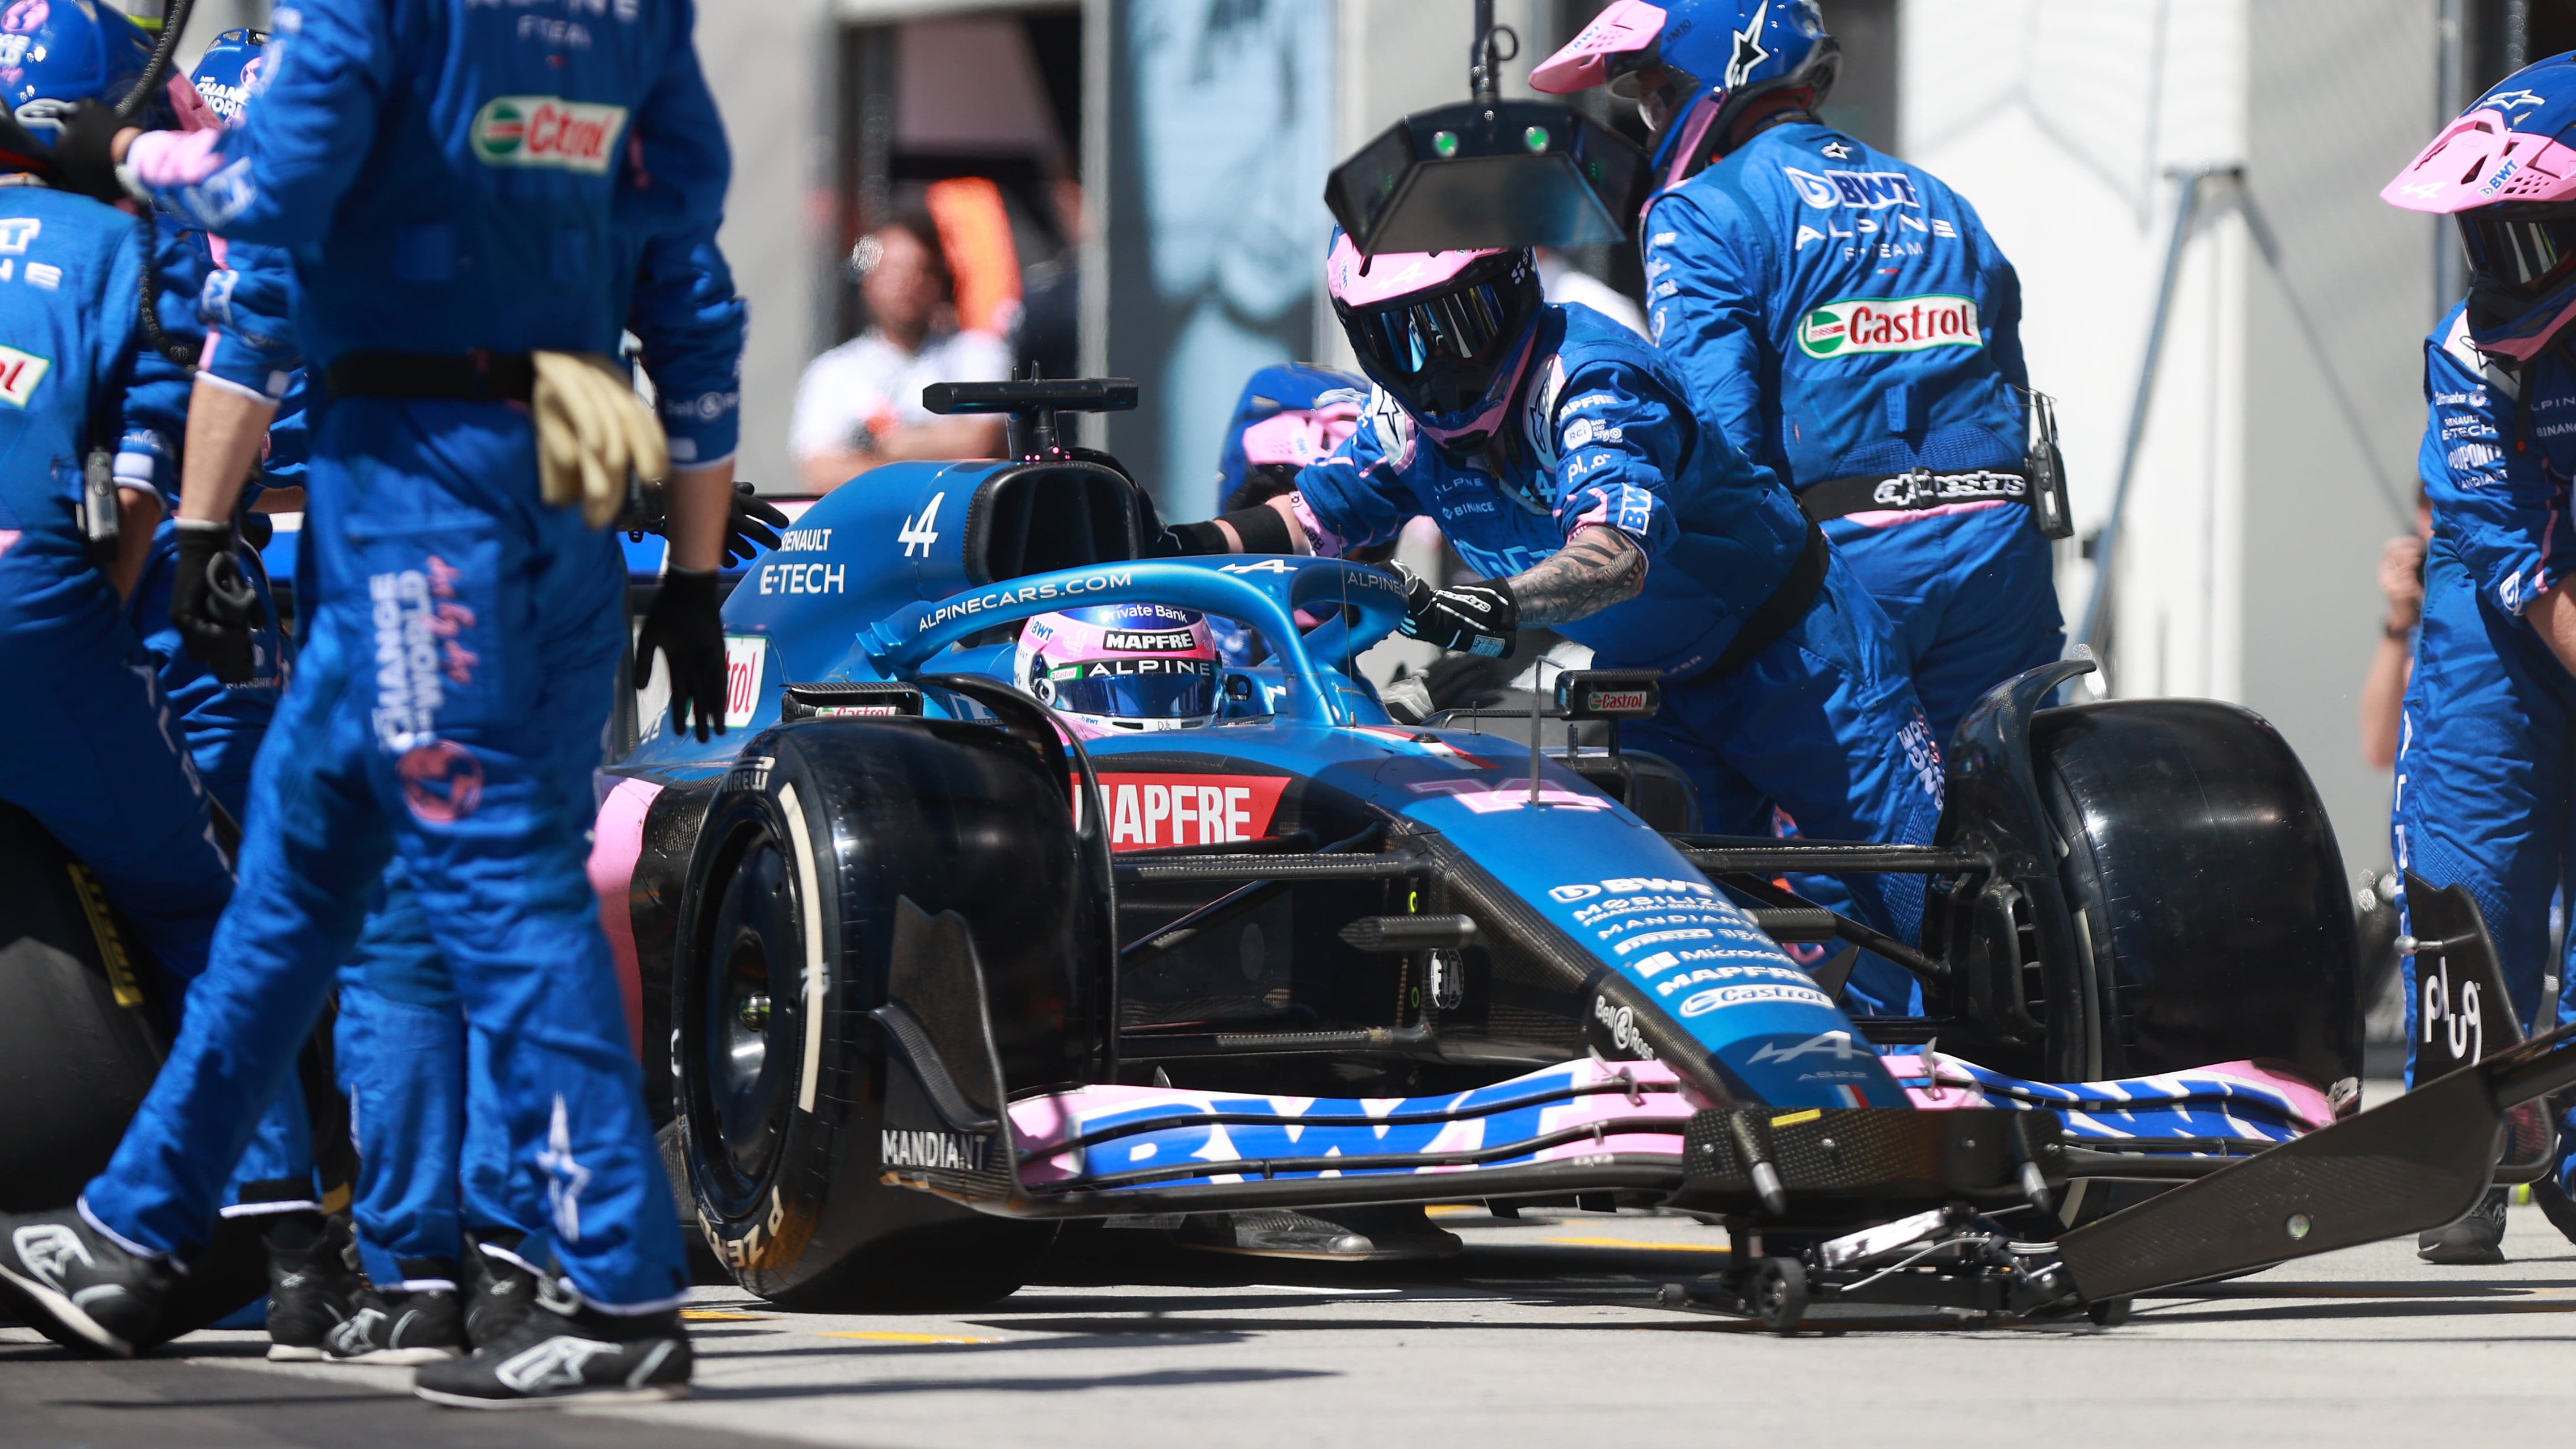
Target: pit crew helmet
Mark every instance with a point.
(1116, 667)
(231, 72)
(54, 53)
(1719, 55)
(1290, 415)
(1447, 335)
(2505, 171)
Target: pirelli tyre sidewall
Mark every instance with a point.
(816, 835)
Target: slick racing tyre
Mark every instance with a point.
(824, 834)
(2206, 890)
(82, 1033)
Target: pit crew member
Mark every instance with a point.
(2486, 764)
(109, 777)
(1844, 319)
(455, 245)
(1561, 458)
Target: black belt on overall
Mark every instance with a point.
(1912, 492)
(1780, 613)
(445, 376)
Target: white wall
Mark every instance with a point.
(771, 65)
(2279, 440)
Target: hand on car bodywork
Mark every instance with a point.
(1473, 618)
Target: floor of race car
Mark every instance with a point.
(1543, 1332)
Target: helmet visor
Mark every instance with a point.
(1459, 325)
(1136, 688)
(2519, 253)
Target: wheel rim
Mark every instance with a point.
(746, 1004)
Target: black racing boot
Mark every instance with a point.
(2549, 1194)
(1334, 1235)
(313, 1285)
(422, 1326)
(499, 1290)
(2476, 1239)
(563, 1351)
(83, 1289)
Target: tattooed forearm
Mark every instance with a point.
(1598, 567)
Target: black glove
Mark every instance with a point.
(212, 603)
(753, 525)
(1478, 618)
(686, 623)
(85, 156)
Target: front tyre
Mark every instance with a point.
(812, 846)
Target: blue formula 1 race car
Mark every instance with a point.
(927, 991)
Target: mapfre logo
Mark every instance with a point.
(1898, 324)
(547, 132)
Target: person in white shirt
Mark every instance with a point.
(859, 404)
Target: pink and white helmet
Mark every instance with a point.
(2506, 172)
(1447, 334)
(1115, 667)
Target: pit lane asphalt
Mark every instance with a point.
(1544, 1331)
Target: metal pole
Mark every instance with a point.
(2450, 97)
(2106, 544)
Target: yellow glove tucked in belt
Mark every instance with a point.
(591, 430)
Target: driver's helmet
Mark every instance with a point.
(54, 53)
(1118, 667)
(1720, 56)
(2505, 171)
(1447, 335)
(231, 72)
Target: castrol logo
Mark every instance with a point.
(548, 132)
(1896, 324)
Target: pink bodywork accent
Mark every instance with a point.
(175, 158)
(2480, 160)
(1299, 438)
(617, 838)
(1359, 281)
(1958, 1090)
(1039, 1122)
(1625, 28)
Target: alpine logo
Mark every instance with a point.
(1835, 1044)
(548, 132)
(1857, 326)
(922, 532)
(948, 1151)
